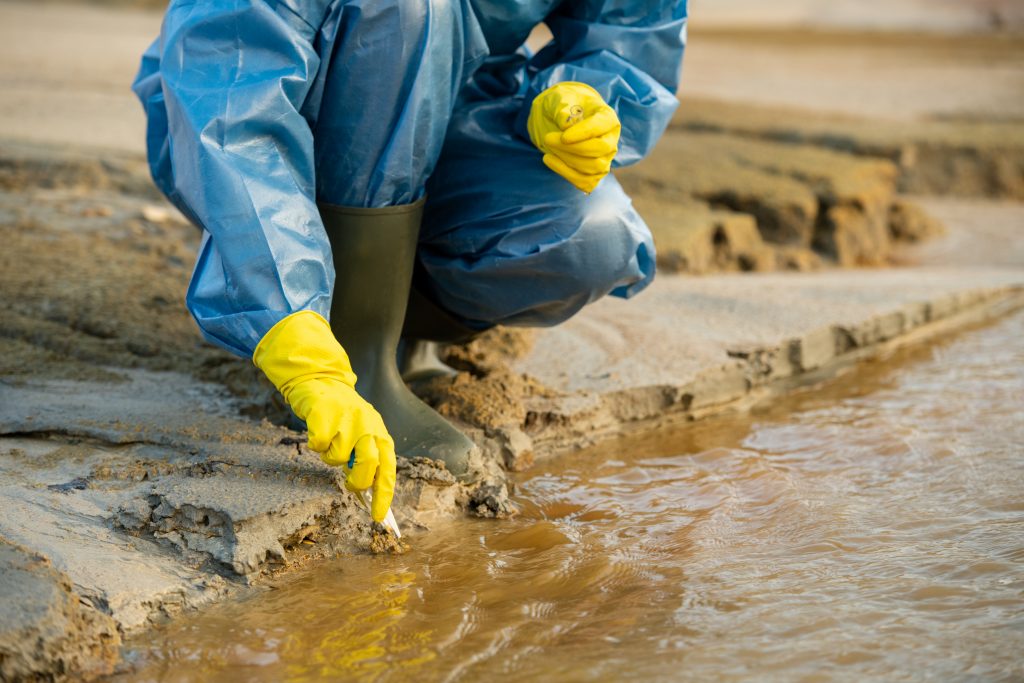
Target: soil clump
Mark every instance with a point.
(49, 632)
(383, 542)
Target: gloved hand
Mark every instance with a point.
(577, 131)
(307, 364)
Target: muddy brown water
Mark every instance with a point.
(872, 528)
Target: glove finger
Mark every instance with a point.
(555, 105)
(321, 428)
(599, 123)
(605, 145)
(338, 454)
(585, 165)
(586, 183)
(364, 470)
(384, 484)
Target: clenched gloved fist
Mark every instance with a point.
(577, 131)
(307, 364)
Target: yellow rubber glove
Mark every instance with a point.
(307, 364)
(577, 131)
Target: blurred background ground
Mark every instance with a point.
(65, 68)
(938, 110)
(882, 15)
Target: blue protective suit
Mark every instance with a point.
(258, 109)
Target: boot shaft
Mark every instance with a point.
(374, 251)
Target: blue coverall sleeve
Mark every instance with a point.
(235, 74)
(630, 51)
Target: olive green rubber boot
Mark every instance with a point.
(427, 329)
(374, 251)
(420, 361)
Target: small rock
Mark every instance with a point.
(910, 223)
(425, 469)
(156, 214)
(516, 450)
(133, 515)
(491, 500)
(383, 541)
(76, 484)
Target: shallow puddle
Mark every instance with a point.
(873, 528)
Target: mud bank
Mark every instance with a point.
(739, 187)
(152, 471)
(698, 346)
(963, 156)
(152, 492)
(48, 630)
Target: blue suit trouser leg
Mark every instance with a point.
(391, 73)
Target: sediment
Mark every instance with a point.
(155, 473)
(963, 157)
(709, 345)
(738, 187)
(49, 631)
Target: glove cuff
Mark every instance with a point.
(302, 347)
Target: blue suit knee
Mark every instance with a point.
(610, 252)
(543, 267)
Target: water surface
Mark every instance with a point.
(869, 529)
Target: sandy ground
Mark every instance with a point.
(980, 233)
(890, 15)
(890, 76)
(65, 73)
(143, 472)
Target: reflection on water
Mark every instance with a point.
(873, 528)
